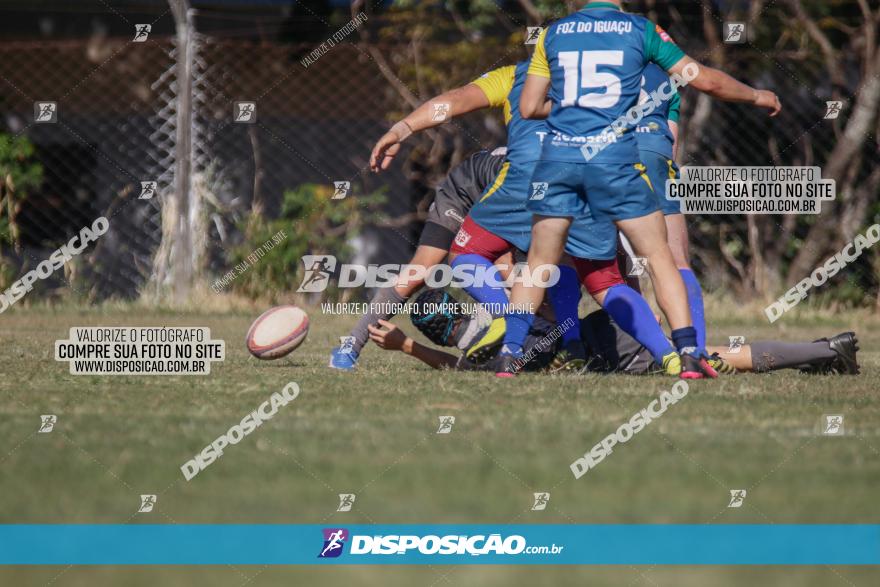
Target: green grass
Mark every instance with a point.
(373, 434)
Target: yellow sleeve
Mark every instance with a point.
(539, 65)
(496, 84)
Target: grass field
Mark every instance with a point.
(373, 434)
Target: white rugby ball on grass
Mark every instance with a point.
(277, 332)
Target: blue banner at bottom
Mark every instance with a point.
(168, 544)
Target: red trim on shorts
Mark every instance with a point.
(474, 239)
(598, 276)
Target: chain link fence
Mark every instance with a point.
(117, 126)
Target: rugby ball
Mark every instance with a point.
(277, 332)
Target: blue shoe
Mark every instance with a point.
(343, 360)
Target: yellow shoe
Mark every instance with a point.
(487, 347)
(672, 364)
(720, 365)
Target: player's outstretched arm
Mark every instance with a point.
(719, 85)
(389, 337)
(434, 112)
(533, 102)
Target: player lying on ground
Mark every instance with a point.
(500, 222)
(609, 348)
(453, 198)
(591, 62)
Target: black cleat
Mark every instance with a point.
(505, 365)
(571, 358)
(845, 345)
(693, 367)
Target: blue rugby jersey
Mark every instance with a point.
(653, 132)
(594, 59)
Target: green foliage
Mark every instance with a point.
(267, 263)
(19, 173)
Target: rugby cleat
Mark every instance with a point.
(693, 367)
(488, 346)
(343, 361)
(720, 365)
(845, 345)
(572, 357)
(672, 364)
(504, 365)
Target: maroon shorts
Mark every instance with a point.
(474, 239)
(598, 275)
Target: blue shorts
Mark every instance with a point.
(614, 191)
(659, 169)
(502, 211)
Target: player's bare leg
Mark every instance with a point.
(548, 243)
(648, 237)
(677, 237)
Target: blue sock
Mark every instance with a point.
(518, 324)
(695, 300)
(491, 295)
(685, 340)
(565, 296)
(632, 313)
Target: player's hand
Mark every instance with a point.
(387, 336)
(769, 100)
(384, 151)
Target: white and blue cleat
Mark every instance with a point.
(344, 359)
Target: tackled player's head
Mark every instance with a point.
(437, 316)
